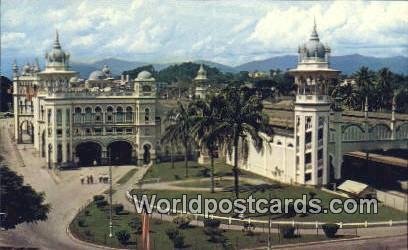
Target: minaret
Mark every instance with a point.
(393, 120)
(200, 83)
(312, 77)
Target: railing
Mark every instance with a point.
(308, 166)
(308, 146)
(308, 224)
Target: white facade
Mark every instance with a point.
(93, 121)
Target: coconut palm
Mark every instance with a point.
(384, 78)
(206, 127)
(171, 139)
(242, 120)
(364, 80)
(180, 129)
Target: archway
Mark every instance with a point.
(146, 154)
(26, 132)
(120, 152)
(88, 152)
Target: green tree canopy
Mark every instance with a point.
(20, 203)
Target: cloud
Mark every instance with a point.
(231, 32)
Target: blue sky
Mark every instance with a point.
(229, 32)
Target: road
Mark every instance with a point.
(63, 191)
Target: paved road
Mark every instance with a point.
(388, 243)
(63, 191)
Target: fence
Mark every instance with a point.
(301, 224)
(396, 201)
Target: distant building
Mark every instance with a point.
(97, 120)
(259, 75)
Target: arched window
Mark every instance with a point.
(147, 115)
(98, 115)
(88, 114)
(78, 110)
(119, 114)
(129, 114)
(109, 109)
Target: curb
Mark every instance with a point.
(295, 245)
(83, 242)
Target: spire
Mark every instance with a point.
(366, 108)
(57, 44)
(314, 35)
(394, 108)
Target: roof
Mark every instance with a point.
(352, 187)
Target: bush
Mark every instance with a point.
(215, 234)
(118, 208)
(249, 229)
(88, 233)
(87, 213)
(98, 197)
(101, 203)
(81, 223)
(136, 224)
(287, 231)
(176, 237)
(205, 172)
(330, 230)
(183, 221)
(212, 223)
(123, 236)
(172, 233)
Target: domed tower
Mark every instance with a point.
(312, 76)
(145, 91)
(201, 83)
(57, 59)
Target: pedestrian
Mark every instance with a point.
(87, 179)
(82, 180)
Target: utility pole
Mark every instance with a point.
(110, 193)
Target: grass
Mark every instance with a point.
(96, 231)
(165, 172)
(219, 183)
(127, 176)
(281, 192)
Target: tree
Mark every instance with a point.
(364, 80)
(19, 202)
(180, 130)
(242, 120)
(206, 127)
(172, 139)
(384, 79)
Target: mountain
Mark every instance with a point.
(219, 66)
(347, 64)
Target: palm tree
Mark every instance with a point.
(206, 127)
(242, 120)
(180, 130)
(384, 77)
(364, 80)
(171, 139)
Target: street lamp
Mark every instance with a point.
(110, 193)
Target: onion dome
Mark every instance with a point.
(201, 74)
(314, 49)
(57, 57)
(97, 75)
(144, 75)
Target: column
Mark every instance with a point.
(64, 134)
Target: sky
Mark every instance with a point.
(228, 32)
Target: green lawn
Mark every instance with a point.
(96, 230)
(282, 192)
(127, 176)
(219, 183)
(165, 172)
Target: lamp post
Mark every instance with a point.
(110, 193)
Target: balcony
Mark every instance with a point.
(312, 98)
(308, 146)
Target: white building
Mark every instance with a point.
(300, 155)
(93, 121)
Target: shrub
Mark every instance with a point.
(87, 212)
(215, 234)
(172, 233)
(136, 224)
(183, 221)
(249, 229)
(98, 197)
(123, 236)
(176, 237)
(81, 223)
(88, 233)
(287, 231)
(101, 203)
(118, 208)
(205, 172)
(330, 230)
(212, 223)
